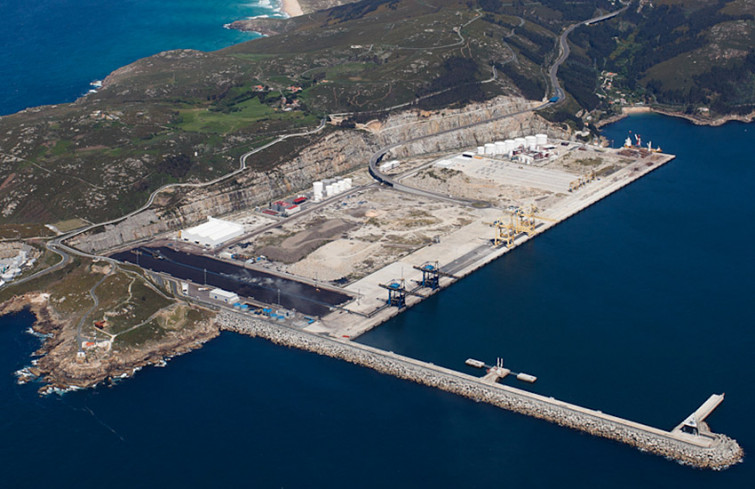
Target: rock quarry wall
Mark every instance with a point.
(334, 154)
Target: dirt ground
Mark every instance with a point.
(356, 235)
(363, 232)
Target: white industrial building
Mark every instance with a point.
(213, 233)
(224, 296)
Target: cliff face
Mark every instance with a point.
(58, 365)
(411, 124)
(334, 154)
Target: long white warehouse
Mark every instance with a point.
(213, 233)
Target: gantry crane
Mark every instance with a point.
(397, 292)
(504, 232)
(431, 274)
(583, 180)
(520, 221)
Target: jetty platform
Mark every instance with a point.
(703, 450)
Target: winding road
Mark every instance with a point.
(556, 98)
(57, 245)
(565, 50)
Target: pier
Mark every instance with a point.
(714, 451)
(695, 424)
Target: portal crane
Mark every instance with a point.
(431, 274)
(397, 292)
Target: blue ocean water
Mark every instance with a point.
(639, 306)
(52, 49)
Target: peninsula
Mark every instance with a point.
(308, 186)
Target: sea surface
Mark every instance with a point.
(52, 49)
(640, 306)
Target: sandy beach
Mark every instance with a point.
(291, 8)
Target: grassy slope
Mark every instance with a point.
(186, 115)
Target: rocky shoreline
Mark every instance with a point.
(57, 366)
(723, 453)
(697, 120)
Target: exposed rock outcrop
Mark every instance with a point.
(58, 365)
(334, 154)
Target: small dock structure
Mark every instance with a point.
(498, 372)
(695, 424)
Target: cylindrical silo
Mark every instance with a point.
(542, 139)
(330, 190)
(500, 147)
(348, 183)
(531, 142)
(489, 148)
(510, 145)
(317, 188)
(480, 150)
(519, 143)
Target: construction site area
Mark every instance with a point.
(384, 247)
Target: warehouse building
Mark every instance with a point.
(213, 233)
(224, 296)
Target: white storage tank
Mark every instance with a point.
(330, 191)
(480, 150)
(531, 142)
(500, 147)
(519, 143)
(542, 139)
(317, 188)
(489, 148)
(348, 183)
(510, 145)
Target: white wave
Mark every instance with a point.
(38, 335)
(59, 391)
(24, 375)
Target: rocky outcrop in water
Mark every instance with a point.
(58, 365)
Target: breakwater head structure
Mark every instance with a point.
(690, 443)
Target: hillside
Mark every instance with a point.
(692, 56)
(187, 116)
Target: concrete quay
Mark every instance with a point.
(713, 451)
(464, 251)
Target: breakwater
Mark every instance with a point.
(714, 452)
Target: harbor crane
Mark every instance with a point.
(583, 180)
(397, 292)
(505, 232)
(431, 274)
(520, 221)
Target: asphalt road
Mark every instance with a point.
(57, 246)
(558, 95)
